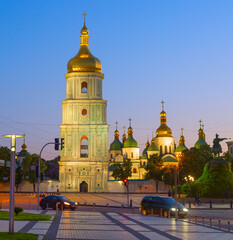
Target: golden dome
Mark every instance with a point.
(84, 61)
(163, 130)
(24, 146)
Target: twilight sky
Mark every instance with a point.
(178, 51)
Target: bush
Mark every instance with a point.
(18, 210)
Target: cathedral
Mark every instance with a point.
(86, 163)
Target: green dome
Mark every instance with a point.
(144, 153)
(169, 159)
(200, 142)
(181, 148)
(116, 145)
(143, 157)
(152, 147)
(22, 153)
(130, 142)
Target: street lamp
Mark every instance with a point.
(12, 180)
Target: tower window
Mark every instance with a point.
(84, 112)
(165, 149)
(131, 154)
(134, 170)
(170, 149)
(84, 87)
(84, 147)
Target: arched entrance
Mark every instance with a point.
(83, 187)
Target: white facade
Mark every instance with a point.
(84, 160)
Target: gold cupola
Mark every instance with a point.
(84, 61)
(163, 130)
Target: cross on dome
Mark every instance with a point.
(116, 124)
(182, 131)
(84, 14)
(162, 105)
(124, 129)
(200, 123)
(130, 122)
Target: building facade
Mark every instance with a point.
(84, 160)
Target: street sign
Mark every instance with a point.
(5, 178)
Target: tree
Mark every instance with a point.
(123, 171)
(5, 154)
(227, 156)
(193, 160)
(169, 174)
(52, 170)
(29, 168)
(18, 177)
(155, 169)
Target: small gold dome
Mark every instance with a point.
(84, 61)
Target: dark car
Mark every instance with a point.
(51, 201)
(166, 204)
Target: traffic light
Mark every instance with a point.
(125, 181)
(56, 147)
(62, 143)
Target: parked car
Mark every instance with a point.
(158, 203)
(51, 202)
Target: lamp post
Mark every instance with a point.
(12, 180)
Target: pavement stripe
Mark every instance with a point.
(126, 228)
(53, 229)
(27, 227)
(153, 229)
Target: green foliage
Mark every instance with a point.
(216, 180)
(122, 170)
(28, 162)
(5, 154)
(52, 170)
(193, 160)
(186, 188)
(154, 168)
(169, 174)
(25, 216)
(229, 159)
(18, 210)
(18, 236)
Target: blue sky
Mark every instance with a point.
(178, 51)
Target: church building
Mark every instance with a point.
(84, 160)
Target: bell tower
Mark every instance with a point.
(84, 159)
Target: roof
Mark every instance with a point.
(130, 142)
(181, 148)
(169, 158)
(200, 142)
(152, 147)
(116, 145)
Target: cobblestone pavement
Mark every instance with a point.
(91, 225)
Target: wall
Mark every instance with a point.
(25, 186)
(137, 187)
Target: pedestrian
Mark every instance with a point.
(169, 193)
(196, 199)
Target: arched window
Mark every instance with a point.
(134, 170)
(84, 112)
(144, 163)
(84, 147)
(84, 87)
(131, 154)
(170, 149)
(165, 149)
